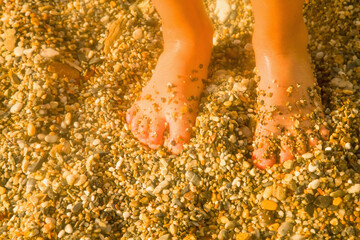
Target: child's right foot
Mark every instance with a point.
(171, 97)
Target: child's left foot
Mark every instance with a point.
(288, 104)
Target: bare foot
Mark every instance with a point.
(288, 107)
(169, 101)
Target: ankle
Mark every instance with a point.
(196, 35)
(281, 42)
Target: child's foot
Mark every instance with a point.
(169, 101)
(288, 103)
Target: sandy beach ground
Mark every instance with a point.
(71, 169)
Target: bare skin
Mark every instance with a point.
(286, 92)
(287, 102)
(170, 99)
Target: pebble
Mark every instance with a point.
(161, 186)
(51, 138)
(173, 229)
(165, 237)
(319, 55)
(269, 205)
(307, 155)
(337, 201)
(138, 34)
(323, 201)
(61, 233)
(314, 184)
(31, 130)
(16, 107)
(313, 167)
(49, 53)
(222, 10)
(2, 190)
(77, 208)
(288, 165)
(68, 228)
(285, 228)
(193, 178)
(340, 83)
(267, 192)
(223, 235)
(96, 142)
(334, 221)
(18, 51)
(10, 39)
(354, 189)
(280, 193)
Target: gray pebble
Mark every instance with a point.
(284, 228)
(193, 178)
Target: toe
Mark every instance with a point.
(180, 133)
(285, 152)
(156, 133)
(140, 128)
(261, 157)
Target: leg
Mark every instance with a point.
(170, 99)
(286, 91)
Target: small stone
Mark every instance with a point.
(96, 142)
(279, 192)
(193, 178)
(30, 185)
(224, 220)
(314, 184)
(230, 225)
(227, 103)
(269, 205)
(80, 181)
(313, 167)
(70, 179)
(10, 39)
(337, 193)
(173, 229)
(288, 164)
(77, 208)
(284, 228)
(31, 130)
(68, 229)
(61, 233)
(49, 53)
(68, 118)
(18, 51)
(274, 227)
(2, 190)
(165, 237)
(296, 237)
(266, 218)
(337, 201)
(222, 10)
(334, 221)
(137, 34)
(267, 192)
(16, 107)
(161, 186)
(323, 201)
(319, 55)
(63, 70)
(51, 138)
(307, 155)
(242, 236)
(223, 235)
(354, 189)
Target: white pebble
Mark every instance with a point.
(126, 215)
(16, 107)
(61, 233)
(138, 34)
(347, 146)
(51, 138)
(49, 53)
(68, 228)
(354, 189)
(96, 142)
(314, 184)
(18, 51)
(307, 155)
(312, 167)
(222, 10)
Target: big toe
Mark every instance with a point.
(180, 133)
(262, 157)
(140, 128)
